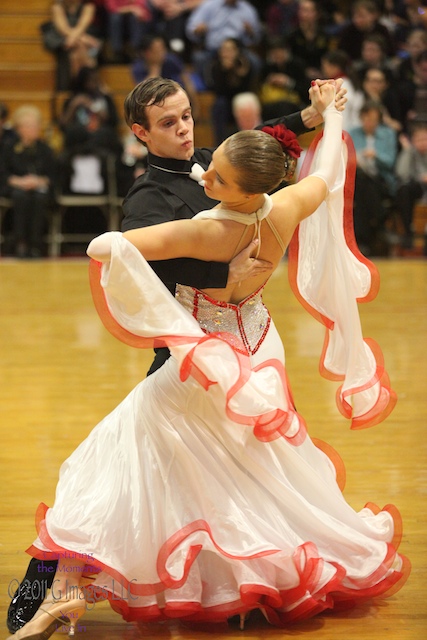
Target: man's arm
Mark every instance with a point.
(305, 120)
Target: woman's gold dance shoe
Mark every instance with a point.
(51, 616)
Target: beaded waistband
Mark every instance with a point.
(248, 321)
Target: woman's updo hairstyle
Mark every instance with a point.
(258, 155)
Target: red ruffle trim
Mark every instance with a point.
(387, 398)
(280, 607)
(268, 426)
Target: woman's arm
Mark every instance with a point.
(201, 239)
(59, 18)
(85, 20)
(302, 199)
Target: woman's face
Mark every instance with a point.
(375, 82)
(228, 51)
(220, 179)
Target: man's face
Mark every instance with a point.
(171, 131)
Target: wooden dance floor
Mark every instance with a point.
(61, 372)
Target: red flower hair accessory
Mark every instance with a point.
(287, 139)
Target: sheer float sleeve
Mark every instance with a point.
(330, 277)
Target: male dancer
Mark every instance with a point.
(158, 111)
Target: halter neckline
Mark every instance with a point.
(244, 218)
(254, 218)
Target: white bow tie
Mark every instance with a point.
(196, 174)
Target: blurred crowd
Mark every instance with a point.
(257, 59)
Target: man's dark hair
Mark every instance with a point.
(152, 91)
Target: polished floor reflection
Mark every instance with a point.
(61, 372)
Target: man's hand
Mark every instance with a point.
(243, 266)
(311, 116)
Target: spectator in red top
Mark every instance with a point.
(131, 17)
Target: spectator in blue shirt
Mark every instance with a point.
(217, 20)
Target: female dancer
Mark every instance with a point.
(201, 495)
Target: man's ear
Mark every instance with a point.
(141, 132)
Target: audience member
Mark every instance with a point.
(89, 117)
(373, 56)
(7, 132)
(247, 111)
(415, 44)
(335, 16)
(217, 20)
(411, 172)
(364, 21)
(283, 83)
(413, 93)
(132, 164)
(154, 59)
(376, 88)
(376, 149)
(282, 17)
(7, 137)
(170, 21)
(28, 167)
(128, 21)
(228, 73)
(336, 64)
(407, 16)
(74, 20)
(309, 42)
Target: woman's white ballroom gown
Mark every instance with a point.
(201, 495)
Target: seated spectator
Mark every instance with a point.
(309, 42)
(373, 56)
(217, 20)
(28, 168)
(228, 73)
(282, 17)
(131, 164)
(415, 44)
(247, 112)
(283, 83)
(335, 16)
(413, 93)
(89, 117)
(376, 148)
(336, 64)
(376, 88)
(74, 20)
(154, 59)
(365, 20)
(128, 21)
(411, 172)
(407, 16)
(7, 137)
(7, 132)
(170, 21)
